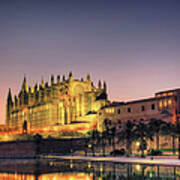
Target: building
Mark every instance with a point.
(164, 105)
(65, 103)
(77, 105)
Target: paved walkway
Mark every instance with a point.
(156, 161)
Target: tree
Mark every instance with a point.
(113, 136)
(103, 142)
(94, 138)
(109, 133)
(127, 134)
(169, 129)
(155, 126)
(86, 143)
(177, 132)
(142, 132)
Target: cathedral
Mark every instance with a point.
(69, 107)
(61, 103)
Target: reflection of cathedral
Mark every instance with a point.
(63, 102)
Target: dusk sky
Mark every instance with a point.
(133, 45)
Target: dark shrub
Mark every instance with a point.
(118, 152)
(153, 152)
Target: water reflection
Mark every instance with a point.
(83, 170)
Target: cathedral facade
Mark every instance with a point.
(64, 102)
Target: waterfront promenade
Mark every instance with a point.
(164, 161)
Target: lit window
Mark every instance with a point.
(112, 110)
(170, 94)
(160, 104)
(165, 103)
(169, 102)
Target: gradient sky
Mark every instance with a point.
(133, 45)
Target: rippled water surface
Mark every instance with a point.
(82, 170)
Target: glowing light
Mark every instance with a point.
(87, 125)
(87, 178)
(169, 102)
(45, 129)
(71, 178)
(55, 128)
(71, 127)
(160, 104)
(137, 143)
(54, 178)
(89, 145)
(151, 175)
(6, 137)
(101, 168)
(89, 165)
(170, 94)
(71, 164)
(138, 167)
(16, 176)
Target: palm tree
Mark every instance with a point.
(94, 140)
(113, 136)
(155, 126)
(127, 134)
(86, 143)
(109, 133)
(103, 142)
(177, 132)
(169, 129)
(142, 132)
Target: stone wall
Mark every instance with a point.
(32, 149)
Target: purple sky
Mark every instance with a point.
(133, 45)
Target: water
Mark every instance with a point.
(83, 170)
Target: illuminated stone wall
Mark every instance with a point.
(60, 103)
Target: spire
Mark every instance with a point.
(52, 79)
(88, 77)
(32, 90)
(42, 83)
(70, 76)
(15, 100)
(46, 85)
(9, 98)
(64, 78)
(9, 105)
(99, 84)
(35, 87)
(104, 86)
(24, 85)
(58, 79)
